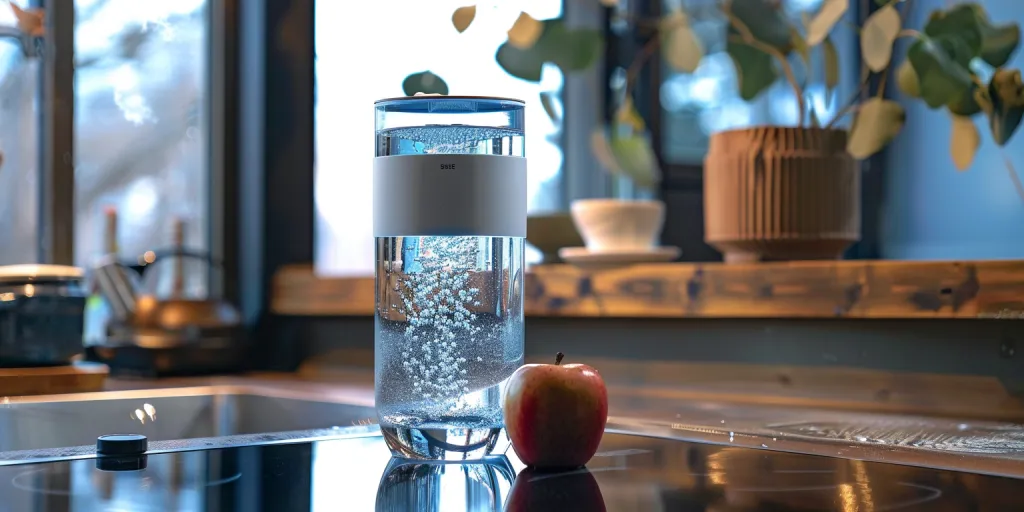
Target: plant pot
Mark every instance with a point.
(779, 193)
(551, 232)
(617, 224)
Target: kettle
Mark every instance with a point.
(144, 320)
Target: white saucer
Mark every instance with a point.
(581, 256)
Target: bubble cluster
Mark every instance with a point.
(439, 323)
(456, 139)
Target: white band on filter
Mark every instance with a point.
(449, 195)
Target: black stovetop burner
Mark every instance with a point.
(630, 473)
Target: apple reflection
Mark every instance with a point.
(478, 486)
(538, 491)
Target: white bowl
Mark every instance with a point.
(616, 224)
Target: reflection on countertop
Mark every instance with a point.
(630, 473)
(263, 403)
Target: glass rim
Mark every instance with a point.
(445, 97)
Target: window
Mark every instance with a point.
(351, 73)
(140, 132)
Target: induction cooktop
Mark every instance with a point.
(630, 473)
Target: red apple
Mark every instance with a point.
(555, 414)
(537, 491)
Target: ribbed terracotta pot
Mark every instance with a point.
(780, 193)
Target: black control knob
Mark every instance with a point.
(121, 452)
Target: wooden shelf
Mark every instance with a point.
(805, 289)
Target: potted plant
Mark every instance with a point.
(793, 192)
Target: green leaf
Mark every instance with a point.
(630, 155)
(998, 42)
(754, 69)
(636, 159)
(877, 123)
(906, 80)
(831, 64)
(956, 49)
(877, 37)
(766, 21)
(967, 104)
(571, 50)
(682, 49)
(424, 82)
(463, 17)
(963, 142)
(523, 64)
(960, 22)
(942, 80)
(829, 14)
(1006, 93)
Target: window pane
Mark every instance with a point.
(140, 135)
(708, 101)
(19, 146)
(408, 36)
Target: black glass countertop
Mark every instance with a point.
(630, 473)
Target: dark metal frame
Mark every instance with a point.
(56, 214)
(268, 208)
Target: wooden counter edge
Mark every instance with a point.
(804, 289)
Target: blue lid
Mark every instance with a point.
(428, 104)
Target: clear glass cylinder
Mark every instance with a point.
(449, 224)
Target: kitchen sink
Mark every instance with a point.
(58, 421)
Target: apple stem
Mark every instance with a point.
(558, 358)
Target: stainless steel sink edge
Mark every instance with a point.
(13, 458)
(308, 393)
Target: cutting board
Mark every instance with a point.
(75, 378)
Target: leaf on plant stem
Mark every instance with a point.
(424, 82)
(463, 16)
(525, 31)
(877, 123)
(754, 69)
(801, 48)
(683, 50)
(966, 104)
(636, 159)
(766, 21)
(571, 50)
(877, 37)
(964, 141)
(959, 23)
(523, 64)
(941, 79)
(997, 41)
(1006, 93)
(831, 57)
(829, 14)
